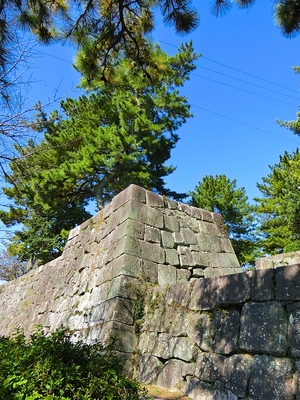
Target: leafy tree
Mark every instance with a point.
(93, 148)
(279, 208)
(220, 194)
(54, 367)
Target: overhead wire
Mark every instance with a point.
(225, 84)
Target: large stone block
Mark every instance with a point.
(234, 289)
(263, 285)
(264, 328)
(200, 331)
(149, 368)
(209, 367)
(142, 213)
(272, 379)
(204, 294)
(172, 376)
(226, 325)
(236, 372)
(288, 282)
(294, 331)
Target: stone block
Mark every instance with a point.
(178, 238)
(152, 234)
(208, 243)
(171, 223)
(272, 378)
(183, 275)
(142, 213)
(209, 228)
(124, 335)
(167, 240)
(132, 192)
(199, 330)
(172, 376)
(149, 368)
(167, 275)
(209, 367)
(185, 257)
(154, 199)
(123, 286)
(264, 328)
(206, 215)
(162, 346)
(294, 332)
(226, 324)
(183, 349)
(263, 285)
(149, 271)
(179, 294)
(172, 257)
(204, 294)
(288, 282)
(236, 372)
(189, 236)
(234, 289)
(198, 273)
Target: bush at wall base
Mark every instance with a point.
(53, 367)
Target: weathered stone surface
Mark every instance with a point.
(225, 331)
(183, 349)
(234, 289)
(167, 240)
(263, 285)
(278, 260)
(236, 372)
(209, 367)
(171, 223)
(179, 294)
(288, 282)
(272, 378)
(152, 234)
(200, 331)
(204, 294)
(154, 200)
(294, 332)
(172, 375)
(172, 257)
(149, 368)
(185, 257)
(167, 274)
(264, 328)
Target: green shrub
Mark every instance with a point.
(54, 367)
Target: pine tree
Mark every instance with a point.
(220, 194)
(94, 147)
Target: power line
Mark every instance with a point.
(244, 123)
(245, 90)
(248, 83)
(238, 70)
(218, 114)
(247, 73)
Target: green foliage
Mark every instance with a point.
(93, 148)
(104, 29)
(53, 367)
(279, 208)
(220, 194)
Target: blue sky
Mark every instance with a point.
(243, 83)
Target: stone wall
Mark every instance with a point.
(233, 337)
(94, 286)
(162, 278)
